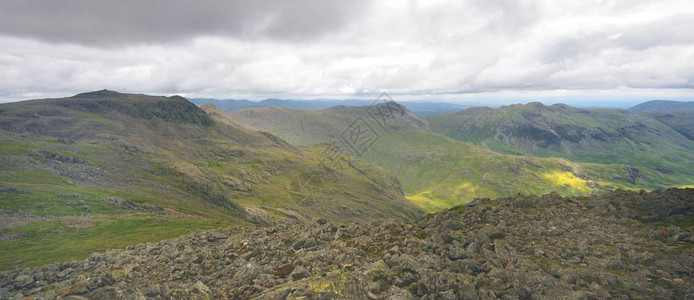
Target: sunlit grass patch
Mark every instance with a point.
(427, 204)
(566, 179)
(465, 188)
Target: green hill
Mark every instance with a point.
(592, 136)
(681, 121)
(102, 170)
(663, 105)
(437, 171)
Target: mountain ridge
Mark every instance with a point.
(420, 107)
(663, 106)
(583, 135)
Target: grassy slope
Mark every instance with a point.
(99, 171)
(439, 172)
(681, 121)
(52, 217)
(590, 136)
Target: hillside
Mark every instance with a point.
(663, 105)
(681, 121)
(438, 172)
(103, 169)
(620, 245)
(581, 135)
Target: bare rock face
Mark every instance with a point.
(632, 174)
(616, 245)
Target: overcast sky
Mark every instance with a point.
(483, 50)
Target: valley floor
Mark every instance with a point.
(621, 245)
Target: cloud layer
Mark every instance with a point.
(344, 48)
(123, 22)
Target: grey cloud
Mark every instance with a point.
(120, 22)
(668, 31)
(671, 30)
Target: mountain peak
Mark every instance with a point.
(535, 104)
(98, 94)
(177, 97)
(392, 105)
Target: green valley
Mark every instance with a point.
(439, 172)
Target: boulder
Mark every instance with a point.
(22, 281)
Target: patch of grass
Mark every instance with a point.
(14, 148)
(564, 178)
(618, 272)
(686, 224)
(50, 194)
(426, 204)
(50, 241)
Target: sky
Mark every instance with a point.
(484, 51)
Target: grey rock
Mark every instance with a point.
(300, 273)
(200, 288)
(22, 281)
(456, 252)
(572, 248)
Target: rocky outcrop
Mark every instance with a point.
(618, 245)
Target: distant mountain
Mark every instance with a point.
(437, 171)
(678, 115)
(663, 105)
(118, 169)
(422, 108)
(590, 136)
(434, 108)
(228, 105)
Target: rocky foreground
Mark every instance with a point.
(617, 245)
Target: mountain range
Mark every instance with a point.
(441, 163)
(118, 196)
(581, 135)
(425, 108)
(105, 169)
(421, 108)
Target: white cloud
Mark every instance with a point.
(413, 47)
